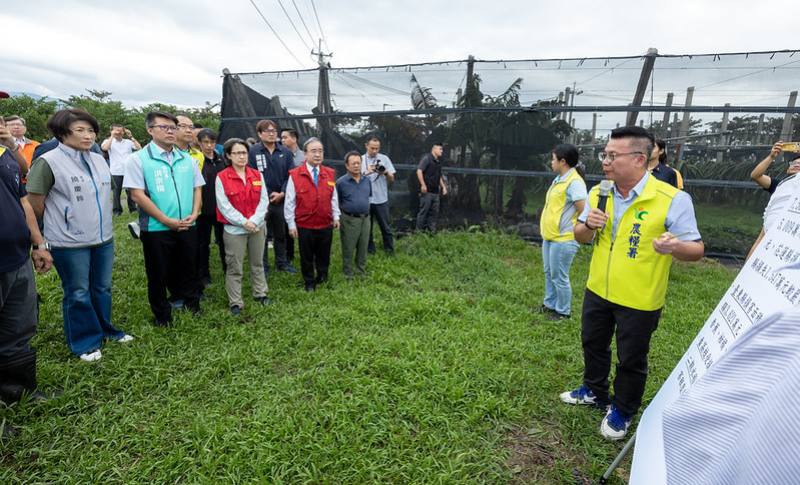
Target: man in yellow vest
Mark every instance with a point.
(646, 223)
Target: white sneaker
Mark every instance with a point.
(91, 356)
(134, 229)
(615, 424)
(125, 338)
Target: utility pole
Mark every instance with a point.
(723, 138)
(644, 79)
(324, 88)
(665, 122)
(685, 123)
(786, 131)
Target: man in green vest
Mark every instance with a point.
(646, 223)
(166, 184)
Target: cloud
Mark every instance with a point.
(174, 51)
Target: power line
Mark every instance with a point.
(276, 34)
(324, 39)
(748, 74)
(304, 22)
(293, 26)
(375, 84)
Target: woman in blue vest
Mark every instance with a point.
(564, 201)
(70, 187)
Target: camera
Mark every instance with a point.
(379, 167)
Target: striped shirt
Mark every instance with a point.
(740, 422)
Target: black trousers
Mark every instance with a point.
(289, 246)
(315, 254)
(18, 318)
(170, 261)
(633, 328)
(117, 179)
(380, 213)
(276, 226)
(205, 226)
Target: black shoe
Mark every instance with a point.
(236, 310)
(163, 323)
(546, 309)
(288, 269)
(117, 213)
(555, 316)
(310, 287)
(263, 300)
(321, 280)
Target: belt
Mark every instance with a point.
(355, 215)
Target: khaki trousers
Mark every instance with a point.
(235, 247)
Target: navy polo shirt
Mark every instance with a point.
(353, 196)
(275, 166)
(15, 238)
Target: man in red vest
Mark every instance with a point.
(312, 212)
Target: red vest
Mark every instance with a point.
(313, 207)
(243, 195)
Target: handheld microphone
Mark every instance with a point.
(605, 188)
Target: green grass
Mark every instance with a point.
(434, 369)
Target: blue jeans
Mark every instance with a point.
(557, 259)
(86, 280)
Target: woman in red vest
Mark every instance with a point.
(242, 202)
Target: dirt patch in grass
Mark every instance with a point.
(534, 454)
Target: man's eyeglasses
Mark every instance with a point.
(184, 126)
(167, 128)
(611, 156)
(269, 130)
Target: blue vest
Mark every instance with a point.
(170, 187)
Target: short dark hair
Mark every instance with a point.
(151, 117)
(292, 132)
(644, 137)
(59, 123)
(197, 125)
(437, 144)
(662, 146)
(117, 125)
(351, 153)
(15, 118)
(567, 152)
(206, 133)
(374, 137)
(263, 124)
(227, 148)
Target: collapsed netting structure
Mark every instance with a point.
(499, 119)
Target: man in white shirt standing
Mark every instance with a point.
(379, 170)
(119, 146)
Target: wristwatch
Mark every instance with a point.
(45, 246)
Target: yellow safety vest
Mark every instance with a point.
(554, 205)
(628, 271)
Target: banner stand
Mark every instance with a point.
(617, 460)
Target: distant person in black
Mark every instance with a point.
(431, 187)
(765, 181)
(207, 220)
(657, 165)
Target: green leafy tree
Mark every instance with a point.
(36, 111)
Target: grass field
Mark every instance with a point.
(436, 368)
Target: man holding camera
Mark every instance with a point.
(380, 172)
(119, 146)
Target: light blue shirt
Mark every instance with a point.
(380, 189)
(680, 219)
(575, 191)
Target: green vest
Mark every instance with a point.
(628, 271)
(555, 200)
(170, 187)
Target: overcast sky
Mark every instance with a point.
(173, 51)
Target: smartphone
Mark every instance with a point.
(792, 146)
